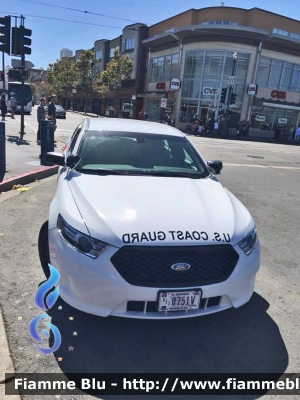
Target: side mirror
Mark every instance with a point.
(72, 161)
(55, 159)
(215, 166)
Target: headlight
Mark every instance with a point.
(81, 242)
(249, 242)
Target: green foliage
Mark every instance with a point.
(118, 69)
(63, 74)
(85, 67)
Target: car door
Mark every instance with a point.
(69, 146)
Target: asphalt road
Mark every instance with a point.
(262, 336)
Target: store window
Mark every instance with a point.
(278, 74)
(110, 104)
(205, 74)
(164, 68)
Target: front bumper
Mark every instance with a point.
(94, 285)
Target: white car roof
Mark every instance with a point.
(130, 125)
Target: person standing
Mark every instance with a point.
(297, 133)
(41, 115)
(145, 115)
(141, 115)
(216, 127)
(52, 110)
(3, 106)
(13, 105)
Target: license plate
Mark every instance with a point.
(179, 301)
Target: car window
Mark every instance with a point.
(133, 152)
(74, 138)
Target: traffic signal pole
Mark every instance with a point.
(3, 68)
(22, 84)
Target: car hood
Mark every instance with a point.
(147, 210)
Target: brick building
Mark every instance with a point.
(198, 47)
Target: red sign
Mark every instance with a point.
(160, 85)
(277, 94)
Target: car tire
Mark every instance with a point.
(43, 246)
(64, 117)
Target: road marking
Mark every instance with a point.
(261, 166)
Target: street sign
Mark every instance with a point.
(282, 121)
(17, 64)
(174, 84)
(230, 80)
(163, 103)
(252, 89)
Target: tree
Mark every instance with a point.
(118, 70)
(63, 75)
(47, 88)
(85, 67)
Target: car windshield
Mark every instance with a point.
(59, 108)
(139, 154)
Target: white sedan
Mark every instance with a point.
(140, 227)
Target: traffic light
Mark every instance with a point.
(2, 76)
(20, 41)
(232, 98)
(166, 94)
(223, 95)
(5, 34)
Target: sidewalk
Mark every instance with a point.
(22, 158)
(6, 364)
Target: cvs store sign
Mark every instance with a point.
(211, 91)
(174, 84)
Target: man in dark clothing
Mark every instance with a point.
(41, 115)
(3, 106)
(52, 109)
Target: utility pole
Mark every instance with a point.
(230, 91)
(3, 67)
(22, 85)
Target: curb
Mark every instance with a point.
(6, 365)
(28, 177)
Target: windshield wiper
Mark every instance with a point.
(100, 171)
(175, 174)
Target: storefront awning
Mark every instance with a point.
(282, 106)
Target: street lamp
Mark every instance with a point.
(230, 91)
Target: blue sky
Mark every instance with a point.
(50, 36)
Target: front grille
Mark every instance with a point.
(151, 307)
(151, 266)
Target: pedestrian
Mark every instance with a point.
(292, 132)
(297, 133)
(168, 119)
(3, 106)
(52, 110)
(41, 115)
(210, 126)
(13, 105)
(216, 128)
(200, 126)
(145, 115)
(195, 127)
(141, 115)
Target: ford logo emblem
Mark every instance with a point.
(180, 267)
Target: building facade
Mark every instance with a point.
(199, 50)
(124, 102)
(66, 53)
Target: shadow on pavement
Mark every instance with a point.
(16, 139)
(237, 340)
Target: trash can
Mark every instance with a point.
(47, 139)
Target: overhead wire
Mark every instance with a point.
(82, 11)
(65, 20)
